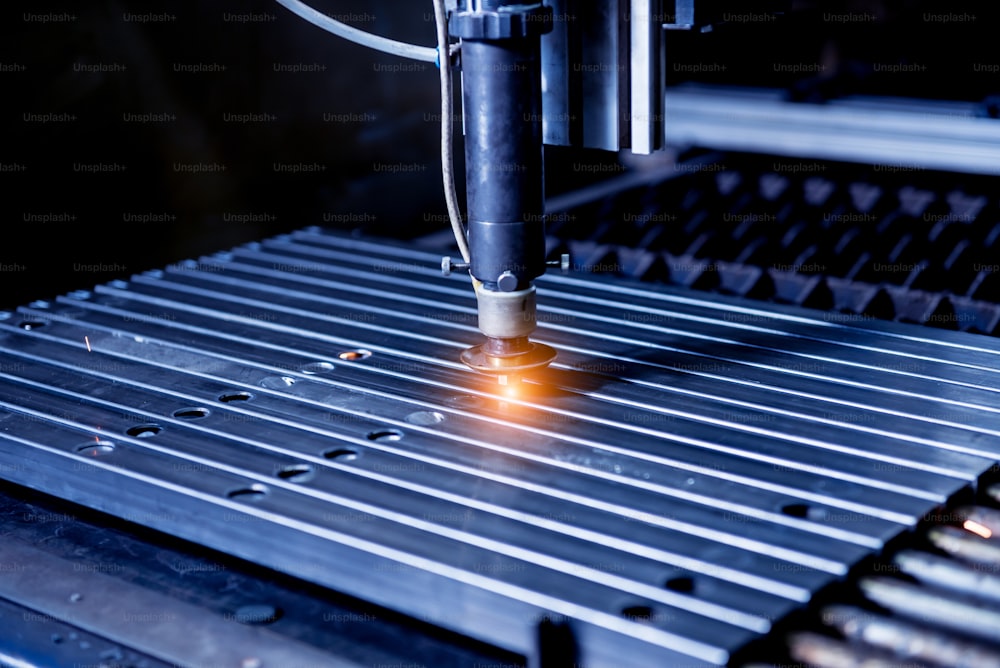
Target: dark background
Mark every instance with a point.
(350, 121)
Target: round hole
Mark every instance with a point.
(466, 401)
(296, 473)
(682, 584)
(230, 397)
(341, 454)
(638, 613)
(354, 355)
(796, 509)
(144, 430)
(57, 639)
(192, 413)
(385, 435)
(805, 511)
(252, 493)
(425, 418)
(277, 382)
(257, 614)
(317, 367)
(28, 325)
(95, 448)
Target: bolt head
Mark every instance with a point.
(507, 282)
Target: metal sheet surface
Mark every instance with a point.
(690, 471)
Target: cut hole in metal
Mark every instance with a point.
(296, 473)
(317, 367)
(230, 397)
(28, 325)
(144, 430)
(256, 614)
(354, 355)
(805, 511)
(682, 584)
(385, 435)
(341, 454)
(277, 382)
(96, 448)
(425, 417)
(796, 509)
(192, 413)
(638, 613)
(252, 493)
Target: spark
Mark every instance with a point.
(977, 528)
(86, 340)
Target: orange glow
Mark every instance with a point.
(87, 341)
(977, 528)
(510, 385)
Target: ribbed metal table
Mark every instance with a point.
(689, 472)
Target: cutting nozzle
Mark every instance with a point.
(501, 356)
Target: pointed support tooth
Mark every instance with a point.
(976, 580)
(907, 640)
(965, 545)
(933, 607)
(821, 652)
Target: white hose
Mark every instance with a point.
(317, 18)
(441, 55)
(447, 165)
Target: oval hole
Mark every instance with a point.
(354, 355)
(682, 584)
(144, 430)
(296, 473)
(385, 435)
(192, 413)
(805, 511)
(425, 418)
(316, 367)
(253, 493)
(638, 613)
(96, 448)
(341, 454)
(277, 382)
(231, 397)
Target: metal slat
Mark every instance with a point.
(677, 483)
(688, 508)
(843, 494)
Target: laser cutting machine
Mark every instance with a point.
(720, 448)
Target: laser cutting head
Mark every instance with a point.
(501, 95)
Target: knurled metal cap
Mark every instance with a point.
(507, 22)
